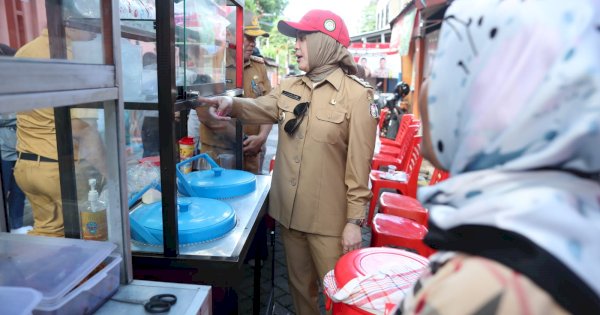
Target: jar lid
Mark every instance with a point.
(219, 183)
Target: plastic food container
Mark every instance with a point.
(90, 295)
(18, 301)
(57, 267)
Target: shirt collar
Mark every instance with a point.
(334, 78)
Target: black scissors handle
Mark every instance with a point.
(160, 303)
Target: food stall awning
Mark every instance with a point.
(358, 49)
(402, 30)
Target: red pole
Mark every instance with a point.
(239, 42)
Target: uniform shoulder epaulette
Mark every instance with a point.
(257, 59)
(360, 81)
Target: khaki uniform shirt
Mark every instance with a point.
(254, 71)
(256, 84)
(36, 132)
(322, 171)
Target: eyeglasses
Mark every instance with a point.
(299, 112)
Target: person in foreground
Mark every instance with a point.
(517, 224)
(327, 122)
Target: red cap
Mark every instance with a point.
(323, 21)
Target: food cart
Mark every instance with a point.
(107, 78)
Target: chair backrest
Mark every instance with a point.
(407, 147)
(405, 122)
(382, 115)
(438, 176)
(412, 167)
(413, 155)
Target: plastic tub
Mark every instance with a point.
(18, 301)
(55, 266)
(90, 295)
(51, 265)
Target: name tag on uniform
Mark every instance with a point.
(291, 95)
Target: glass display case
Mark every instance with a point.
(61, 119)
(164, 68)
(92, 87)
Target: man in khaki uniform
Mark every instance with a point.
(36, 170)
(218, 137)
(327, 124)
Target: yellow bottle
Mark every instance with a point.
(92, 216)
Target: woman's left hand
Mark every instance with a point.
(351, 237)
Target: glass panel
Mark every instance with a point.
(201, 40)
(143, 172)
(138, 57)
(37, 175)
(231, 35)
(138, 50)
(218, 139)
(69, 32)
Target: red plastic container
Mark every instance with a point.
(366, 261)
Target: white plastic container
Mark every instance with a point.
(89, 296)
(55, 267)
(18, 301)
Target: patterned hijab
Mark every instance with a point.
(514, 109)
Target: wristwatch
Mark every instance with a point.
(358, 222)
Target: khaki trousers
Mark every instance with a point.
(41, 184)
(309, 257)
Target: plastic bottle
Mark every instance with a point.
(186, 151)
(94, 225)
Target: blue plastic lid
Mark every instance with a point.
(219, 183)
(199, 219)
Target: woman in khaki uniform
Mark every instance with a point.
(327, 126)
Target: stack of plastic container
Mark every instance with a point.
(73, 276)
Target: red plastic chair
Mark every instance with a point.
(438, 176)
(409, 188)
(390, 230)
(405, 121)
(395, 148)
(403, 206)
(408, 207)
(395, 155)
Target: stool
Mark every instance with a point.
(366, 261)
(391, 230)
(403, 206)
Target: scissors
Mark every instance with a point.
(160, 303)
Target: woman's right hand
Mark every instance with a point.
(220, 106)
